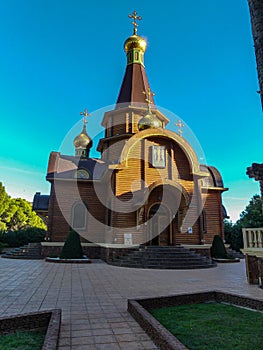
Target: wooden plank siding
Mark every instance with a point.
(139, 168)
(214, 216)
(125, 192)
(59, 223)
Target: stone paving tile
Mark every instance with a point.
(124, 330)
(64, 341)
(130, 337)
(131, 346)
(102, 331)
(82, 341)
(93, 298)
(83, 347)
(102, 339)
(81, 333)
(108, 346)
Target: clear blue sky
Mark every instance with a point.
(59, 57)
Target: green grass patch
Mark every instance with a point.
(22, 341)
(213, 326)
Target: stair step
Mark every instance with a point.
(31, 251)
(176, 257)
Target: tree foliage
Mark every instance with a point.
(4, 205)
(17, 213)
(251, 217)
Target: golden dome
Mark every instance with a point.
(135, 42)
(149, 121)
(83, 139)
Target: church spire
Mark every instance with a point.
(83, 142)
(135, 80)
(149, 120)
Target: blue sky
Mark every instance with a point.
(59, 57)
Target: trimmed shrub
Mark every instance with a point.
(72, 248)
(2, 245)
(218, 249)
(23, 236)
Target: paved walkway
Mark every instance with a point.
(93, 298)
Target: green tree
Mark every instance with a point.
(4, 206)
(251, 217)
(22, 215)
(17, 213)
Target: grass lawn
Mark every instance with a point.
(22, 341)
(213, 326)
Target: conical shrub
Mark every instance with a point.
(218, 249)
(72, 248)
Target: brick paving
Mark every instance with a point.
(93, 297)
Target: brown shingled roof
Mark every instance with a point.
(134, 83)
(214, 179)
(64, 167)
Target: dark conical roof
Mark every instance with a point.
(134, 83)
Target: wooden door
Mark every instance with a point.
(164, 236)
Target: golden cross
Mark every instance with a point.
(86, 114)
(135, 24)
(148, 95)
(180, 126)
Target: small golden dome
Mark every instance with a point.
(135, 42)
(149, 121)
(82, 140)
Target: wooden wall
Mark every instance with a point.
(214, 215)
(59, 224)
(130, 184)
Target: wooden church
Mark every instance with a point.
(147, 188)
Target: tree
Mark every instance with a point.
(22, 215)
(233, 235)
(4, 205)
(17, 213)
(251, 217)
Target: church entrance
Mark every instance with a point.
(160, 228)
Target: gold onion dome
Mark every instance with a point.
(135, 42)
(149, 121)
(83, 139)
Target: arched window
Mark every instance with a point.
(203, 221)
(79, 216)
(81, 174)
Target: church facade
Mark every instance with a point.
(146, 188)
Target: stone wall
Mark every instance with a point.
(48, 321)
(91, 251)
(139, 309)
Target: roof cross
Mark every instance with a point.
(148, 94)
(180, 125)
(135, 18)
(86, 114)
